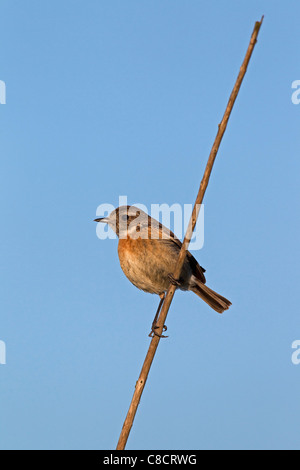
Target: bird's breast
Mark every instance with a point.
(147, 263)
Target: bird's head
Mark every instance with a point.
(127, 221)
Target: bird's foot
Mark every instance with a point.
(173, 281)
(154, 333)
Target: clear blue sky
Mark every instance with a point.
(123, 97)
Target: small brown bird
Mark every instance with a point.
(148, 253)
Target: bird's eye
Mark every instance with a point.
(125, 217)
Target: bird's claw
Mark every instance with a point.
(154, 333)
(173, 281)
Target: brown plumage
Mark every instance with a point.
(148, 253)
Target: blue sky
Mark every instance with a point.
(124, 98)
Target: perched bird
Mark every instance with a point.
(148, 253)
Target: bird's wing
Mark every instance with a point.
(162, 232)
(198, 270)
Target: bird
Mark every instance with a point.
(148, 253)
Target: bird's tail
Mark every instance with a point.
(214, 300)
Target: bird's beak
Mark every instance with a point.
(102, 219)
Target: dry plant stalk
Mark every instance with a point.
(140, 384)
